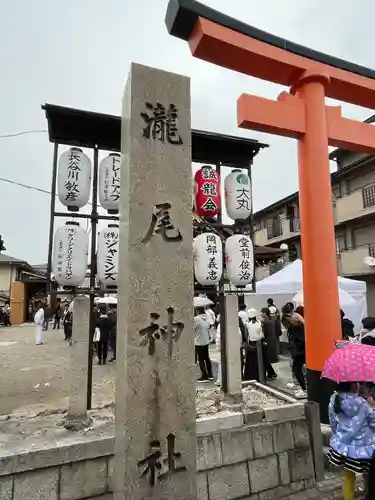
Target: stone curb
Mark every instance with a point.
(221, 421)
(43, 458)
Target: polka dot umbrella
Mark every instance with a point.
(353, 362)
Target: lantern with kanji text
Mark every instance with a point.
(108, 246)
(109, 183)
(74, 179)
(239, 259)
(69, 257)
(208, 259)
(237, 189)
(207, 192)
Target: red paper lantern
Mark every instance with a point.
(207, 192)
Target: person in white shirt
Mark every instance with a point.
(254, 327)
(274, 312)
(242, 313)
(39, 320)
(212, 320)
(255, 334)
(202, 342)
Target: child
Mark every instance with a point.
(353, 434)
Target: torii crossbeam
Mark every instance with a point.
(301, 114)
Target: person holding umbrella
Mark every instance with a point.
(351, 417)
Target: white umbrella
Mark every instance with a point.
(344, 298)
(106, 300)
(202, 302)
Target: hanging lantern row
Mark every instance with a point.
(237, 189)
(74, 180)
(74, 186)
(70, 252)
(208, 259)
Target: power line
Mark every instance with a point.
(23, 133)
(33, 188)
(26, 186)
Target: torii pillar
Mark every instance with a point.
(301, 114)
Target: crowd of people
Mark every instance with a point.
(351, 408)
(252, 328)
(103, 327)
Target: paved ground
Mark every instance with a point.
(34, 378)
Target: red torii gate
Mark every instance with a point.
(300, 114)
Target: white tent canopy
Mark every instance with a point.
(289, 280)
(286, 283)
(345, 299)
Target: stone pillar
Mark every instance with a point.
(155, 445)
(77, 411)
(233, 343)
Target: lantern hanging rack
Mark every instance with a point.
(224, 293)
(86, 216)
(96, 131)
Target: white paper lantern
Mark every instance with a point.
(70, 250)
(74, 179)
(108, 246)
(208, 258)
(239, 259)
(237, 190)
(109, 183)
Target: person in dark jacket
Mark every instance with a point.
(368, 331)
(48, 314)
(243, 330)
(113, 334)
(104, 324)
(347, 326)
(295, 325)
(271, 348)
(58, 313)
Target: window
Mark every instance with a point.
(368, 194)
(336, 192)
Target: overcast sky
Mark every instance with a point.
(77, 53)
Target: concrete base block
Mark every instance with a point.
(219, 422)
(296, 410)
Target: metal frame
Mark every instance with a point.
(95, 131)
(93, 217)
(247, 225)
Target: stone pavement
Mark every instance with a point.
(34, 378)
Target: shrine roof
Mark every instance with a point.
(76, 127)
(182, 16)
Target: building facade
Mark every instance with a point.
(19, 283)
(353, 201)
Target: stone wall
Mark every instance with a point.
(267, 458)
(258, 462)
